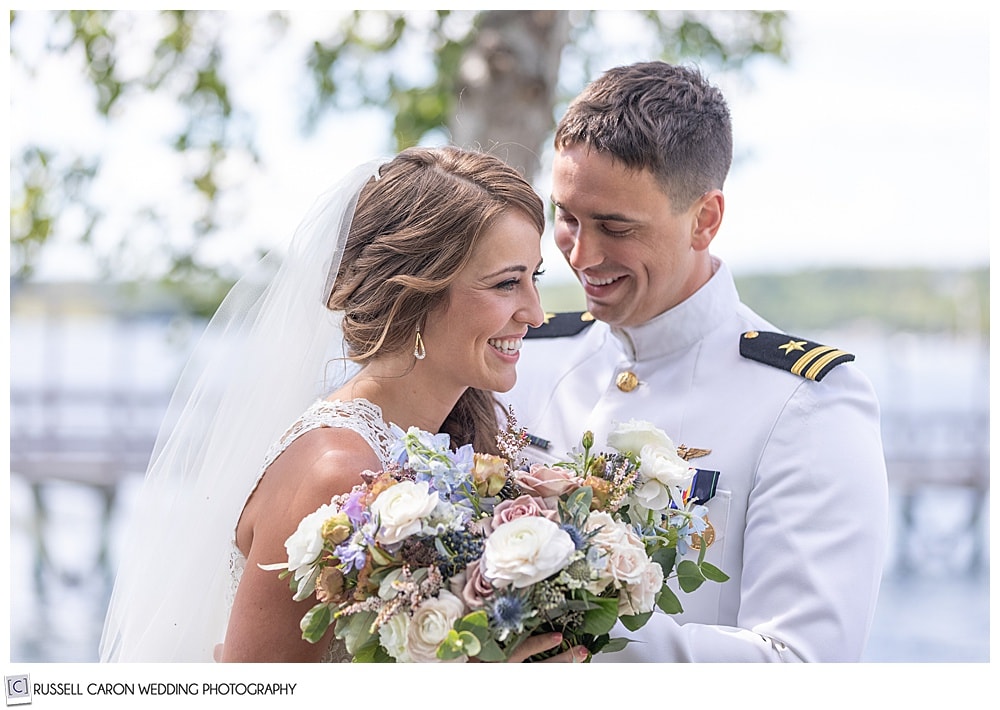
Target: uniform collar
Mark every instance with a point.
(684, 324)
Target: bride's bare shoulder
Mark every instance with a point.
(327, 460)
(317, 466)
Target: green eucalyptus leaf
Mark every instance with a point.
(713, 573)
(666, 557)
(668, 601)
(368, 653)
(457, 644)
(578, 502)
(355, 630)
(473, 621)
(491, 652)
(636, 621)
(689, 576)
(580, 604)
(615, 644)
(600, 619)
(315, 623)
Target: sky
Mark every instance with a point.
(870, 148)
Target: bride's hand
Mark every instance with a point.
(544, 642)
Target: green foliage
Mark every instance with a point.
(356, 631)
(602, 615)
(729, 40)
(636, 621)
(471, 636)
(668, 602)
(316, 621)
(42, 184)
(366, 62)
(689, 576)
(912, 300)
(184, 63)
(806, 301)
(713, 573)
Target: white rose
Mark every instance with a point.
(652, 495)
(629, 437)
(400, 510)
(669, 470)
(640, 597)
(430, 624)
(627, 561)
(304, 547)
(526, 550)
(392, 636)
(608, 532)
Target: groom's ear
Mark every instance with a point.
(706, 218)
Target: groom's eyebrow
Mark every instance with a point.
(601, 216)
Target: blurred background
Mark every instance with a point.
(155, 155)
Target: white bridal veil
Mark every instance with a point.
(270, 350)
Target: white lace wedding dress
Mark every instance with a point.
(358, 415)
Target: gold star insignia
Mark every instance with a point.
(793, 345)
(548, 317)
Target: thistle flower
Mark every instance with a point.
(508, 614)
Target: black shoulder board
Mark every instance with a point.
(559, 325)
(797, 355)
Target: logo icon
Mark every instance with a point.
(18, 689)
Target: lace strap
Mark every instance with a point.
(358, 415)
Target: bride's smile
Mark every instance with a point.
(474, 341)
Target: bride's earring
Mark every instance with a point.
(419, 351)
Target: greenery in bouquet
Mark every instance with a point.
(452, 555)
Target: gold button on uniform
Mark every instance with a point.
(627, 381)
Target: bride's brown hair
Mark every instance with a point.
(413, 230)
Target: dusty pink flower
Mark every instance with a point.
(547, 482)
(519, 507)
(471, 586)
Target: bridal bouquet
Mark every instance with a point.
(453, 555)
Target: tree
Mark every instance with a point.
(495, 79)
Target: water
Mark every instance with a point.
(934, 604)
(938, 613)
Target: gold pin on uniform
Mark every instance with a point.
(627, 381)
(707, 535)
(687, 452)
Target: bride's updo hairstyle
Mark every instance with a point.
(413, 230)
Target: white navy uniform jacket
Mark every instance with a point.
(800, 512)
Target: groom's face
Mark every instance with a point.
(616, 227)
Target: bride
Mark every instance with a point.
(402, 300)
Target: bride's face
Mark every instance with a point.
(474, 341)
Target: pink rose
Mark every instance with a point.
(471, 585)
(519, 507)
(547, 482)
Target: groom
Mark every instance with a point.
(800, 512)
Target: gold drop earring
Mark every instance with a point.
(419, 351)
